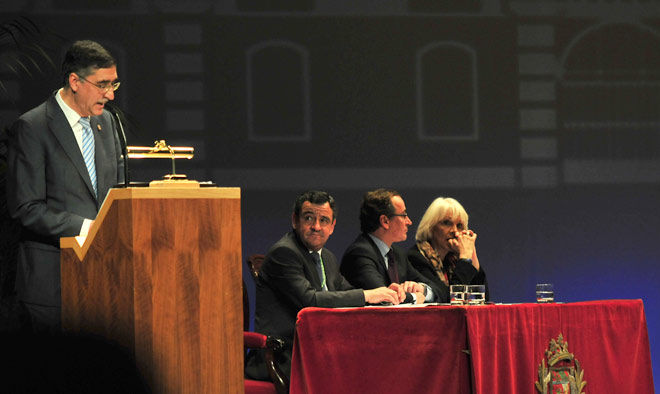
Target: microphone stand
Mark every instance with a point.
(122, 142)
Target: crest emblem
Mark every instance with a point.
(563, 375)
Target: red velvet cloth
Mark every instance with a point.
(379, 350)
(258, 387)
(254, 340)
(608, 338)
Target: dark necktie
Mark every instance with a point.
(391, 267)
(320, 270)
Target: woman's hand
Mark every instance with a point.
(463, 244)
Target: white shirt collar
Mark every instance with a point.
(71, 115)
(382, 246)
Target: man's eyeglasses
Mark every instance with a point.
(403, 215)
(105, 86)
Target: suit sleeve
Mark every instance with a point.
(333, 274)
(425, 270)
(361, 270)
(411, 272)
(27, 186)
(285, 272)
(465, 273)
(413, 275)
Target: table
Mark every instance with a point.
(468, 349)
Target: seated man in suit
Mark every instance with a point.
(298, 272)
(372, 261)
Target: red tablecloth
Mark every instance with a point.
(422, 349)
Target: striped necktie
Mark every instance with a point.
(320, 270)
(88, 151)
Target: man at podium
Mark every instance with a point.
(298, 272)
(63, 157)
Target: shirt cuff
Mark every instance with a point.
(429, 293)
(84, 229)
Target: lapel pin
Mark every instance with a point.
(98, 126)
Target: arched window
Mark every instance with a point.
(609, 93)
(278, 101)
(447, 102)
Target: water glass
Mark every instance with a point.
(476, 295)
(545, 293)
(457, 294)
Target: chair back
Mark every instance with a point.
(254, 263)
(260, 341)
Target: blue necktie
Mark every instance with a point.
(88, 151)
(320, 269)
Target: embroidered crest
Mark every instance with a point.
(563, 375)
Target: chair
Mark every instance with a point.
(251, 340)
(254, 264)
(279, 383)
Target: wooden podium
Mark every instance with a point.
(160, 275)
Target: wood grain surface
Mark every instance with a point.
(161, 276)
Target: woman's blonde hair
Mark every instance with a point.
(440, 208)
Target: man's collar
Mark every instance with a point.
(71, 115)
(382, 246)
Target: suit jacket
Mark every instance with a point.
(288, 282)
(364, 266)
(50, 193)
(464, 274)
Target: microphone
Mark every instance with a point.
(122, 140)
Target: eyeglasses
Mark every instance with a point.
(403, 215)
(105, 86)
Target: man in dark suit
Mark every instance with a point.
(298, 272)
(63, 157)
(372, 261)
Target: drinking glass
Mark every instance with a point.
(545, 293)
(457, 294)
(476, 295)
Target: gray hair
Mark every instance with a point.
(439, 209)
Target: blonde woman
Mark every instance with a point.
(445, 250)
